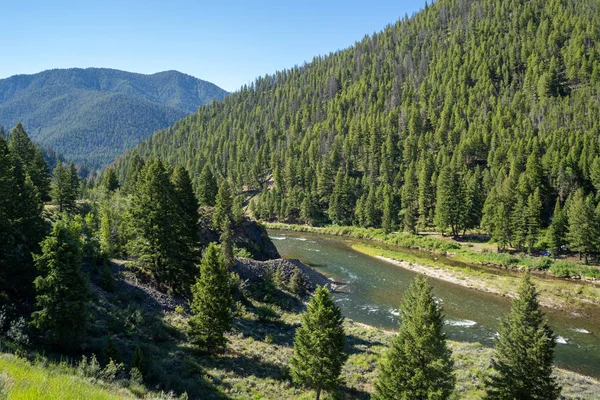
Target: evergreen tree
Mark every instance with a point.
(212, 303)
(296, 283)
(410, 201)
(502, 231)
(21, 227)
(207, 187)
(450, 202)
(583, 230)
(339, 202)
(557, 231)
(319, 345)
(8, 200)
(110, 181)
(154, 221)
(426, 192)
(534, 216)
(136, 164)
(74, 183)
(518, 223)
(187, 212)
(418, 364)
(62, 292)
(388, 220)
(31, 160)
(62, 188)
(40, 175)
(524, 351)
(223, 206)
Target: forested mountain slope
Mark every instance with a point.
(91, 115)
(468, 113)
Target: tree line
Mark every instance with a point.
(470, 114)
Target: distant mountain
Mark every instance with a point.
(92, 115)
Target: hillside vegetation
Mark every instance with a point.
(92, 115)
(468, 114)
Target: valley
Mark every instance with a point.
(413, 215)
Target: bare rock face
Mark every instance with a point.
(249, 235)
(254, 271)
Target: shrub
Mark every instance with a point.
(564, 269)
(543, 263)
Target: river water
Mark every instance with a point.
(373, 290)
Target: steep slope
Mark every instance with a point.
(91, 115)
(468, 103)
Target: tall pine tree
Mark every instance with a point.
(62, 292)
(211, 304)
(319, 345)
(524, 352)
(418, 365)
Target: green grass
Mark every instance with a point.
(22, 380)
(255, 366)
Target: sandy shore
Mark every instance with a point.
(465, 280)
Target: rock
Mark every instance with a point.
(249, 235)
(255, 271)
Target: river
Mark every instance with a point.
(373, 290)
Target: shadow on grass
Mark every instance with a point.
(243, 365)
(356, 345)
(277, 332)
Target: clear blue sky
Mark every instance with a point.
(226, 42)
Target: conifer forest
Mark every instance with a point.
(415, 216)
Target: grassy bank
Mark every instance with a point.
(554, 293)
(22, 379)
(255, 366)
(460, 251)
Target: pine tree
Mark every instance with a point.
(207, 187)
(524, 351)
(583, 230)
(187, 212)
(211, 304)
(62, 188)
(296, 283)
(223, 206)
(418, 364)
(518, 223)
(319, 345)
(409, 201)
(154, 221)
(557, 231)
(339, 202)
(502, 231)
(388, 220)
(74, 185)
(136, 164)
(31, 160)
(8, 200)
(450, 201)
(534, 211)
(426, 191)
(62, 292)
(21, 226)
(110, 181)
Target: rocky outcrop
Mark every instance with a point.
(249, 235)
(254, 271)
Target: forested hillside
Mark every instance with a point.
(92, 115)
(469, 113)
